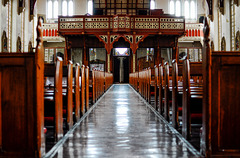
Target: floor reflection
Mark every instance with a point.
(121, 126)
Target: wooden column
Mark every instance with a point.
(85, 59)
(175, 50)
(134, 62)
(108, 63)
(67, 51)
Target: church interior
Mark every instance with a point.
(119, 78)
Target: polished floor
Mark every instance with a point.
(122, 126)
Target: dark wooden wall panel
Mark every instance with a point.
(14, 120)
(229, 137)
(225, 104)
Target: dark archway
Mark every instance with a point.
(121, 43)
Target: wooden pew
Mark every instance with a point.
(156, 87)
(166, 86)
(77, 92)
(220, 133)
(22, 102)
(93, 86)
(68, 96)
(223, 111)
(175, 112)
(87, 87)
(191, 98)
(109, 80)
(83, 101)
(161, 91)
(53, 101)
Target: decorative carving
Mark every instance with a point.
(70, 19)
(32, 5)
(21, 5)
(171, 20)
(171, 26)
(115, 25)
(147, 19)
(139, 37)
(104, 38)
(210, 8)
(113, 38)
(144, 25)
(96, 19)
(121, 24)
(96, 25)
(129, 38)
(206, 30)
(221, 6)
(71, 25)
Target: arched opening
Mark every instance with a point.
(121, 61)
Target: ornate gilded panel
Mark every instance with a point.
(96, 19)
(171, 20)
(121, 24)
(71, 25)
(147, 19)
(70, 19)
(96, 25)
(171, 26)
(146, 25)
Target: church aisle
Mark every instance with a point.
(122, 126)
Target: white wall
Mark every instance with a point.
(16, 25)
(237, 19)
(80, 7)
(162, 4)
(4, 26)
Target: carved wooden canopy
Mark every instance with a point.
(133, 28)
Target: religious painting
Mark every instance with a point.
(237, 41)
(4, 42)
(30, 48)
(212, 46)
(223, 44)
(19, 45)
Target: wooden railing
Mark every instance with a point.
(50, 32)
(194, 32)
(121, 23)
